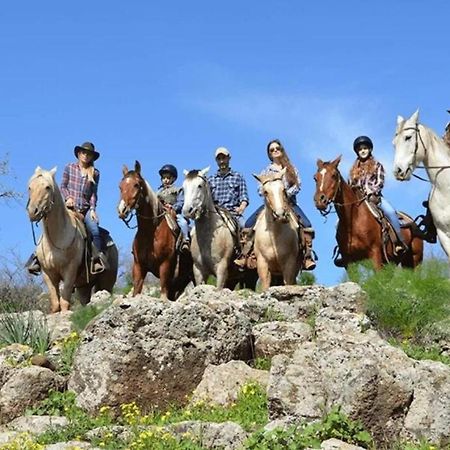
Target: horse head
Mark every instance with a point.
(41, 193)
(274, 192)
(196, 193)
(131, 190)
(408, 152)
(328, 181)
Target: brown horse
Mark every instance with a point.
(154, 246)
(359, 234)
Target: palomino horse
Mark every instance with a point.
(61, 250)
(359, 234)
(212, 243)
(417, 144)
(154, 246)
(277, 246)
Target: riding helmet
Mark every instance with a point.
(169, 168)
(362, 140)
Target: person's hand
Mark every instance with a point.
(241, 208)
(93, 214)
(70, 203)
(374, 199)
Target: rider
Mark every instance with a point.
(79, 188)
(172, 198)
(368, 175)
(228, 188)
(279, 160)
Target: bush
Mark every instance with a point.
(84, 314)
(402, 302)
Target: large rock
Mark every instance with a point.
(24, 388)
(221, 384)
(37, 424)
(352, 366)
(155, 352)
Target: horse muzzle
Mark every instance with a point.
(35, 213)
(321, 201)
(282, 216)
(402, 174)
(123, 210)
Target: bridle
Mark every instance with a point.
(332, 200)
(267, 198)
(416, 148)
(134, 210)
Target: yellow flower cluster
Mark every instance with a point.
(71, 338)
(131, 413)
(145, 439)
(22, 442)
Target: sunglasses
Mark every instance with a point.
(273, 150)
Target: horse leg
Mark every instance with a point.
(290, 272)
(222, 273)
(53, 291)
(444, 240)
(199, 276)
(263, 273)
(138, 278)
(165, 277)
(66, 294)
(377, 258)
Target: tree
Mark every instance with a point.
(5, 171)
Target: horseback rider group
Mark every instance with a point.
(80, 181)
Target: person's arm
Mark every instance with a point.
(293, 190)
(243, 196)
(178, 205)
(65, 183)
(93, 199)
(377, 181)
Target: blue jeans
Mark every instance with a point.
(92, 227)
(390, 213)
(183, 223)
(250, 222)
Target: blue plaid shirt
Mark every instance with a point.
(229, 190)
(77, 186)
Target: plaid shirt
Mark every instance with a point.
(291, 191)
(371, 181)
(79, 188)
(229, 190)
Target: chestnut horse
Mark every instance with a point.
(359, 234)
(154, 246)
(61, 249)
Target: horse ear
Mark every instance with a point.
(204, 171)
(38, 170)
(257, 177)
(319, 163)
(53, 171)
(137, 166)
(415, 116)
(337, 161)
(400, 119)
(185, 172)
(124, 170)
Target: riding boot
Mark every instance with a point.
(247, 240)
(99, 261)
(309, 262)
(33, 265)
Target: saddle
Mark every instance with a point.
(175, 229)
(232, 224)
(387, 230)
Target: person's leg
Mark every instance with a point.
(184, 227)
(99, 262)
(390, 213)
(309, 262)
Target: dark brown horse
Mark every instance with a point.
(359, 234)
(154, 246)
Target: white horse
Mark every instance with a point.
(60, 250)
(417, 144)
(276, 245)
(212, 243)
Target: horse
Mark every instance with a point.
(61, 250)
(155, 244)
(277, 246)
(359, 234)
(417, 144)
(213, 244)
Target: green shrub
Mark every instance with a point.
(403, 302)
(84, 314)
(69, 346)
(335, 424)
(419, 352)
(23, 328)
(306, 279)
(261, 363)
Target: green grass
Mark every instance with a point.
(84, 314)
(404, 303)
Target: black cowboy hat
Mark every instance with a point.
(87, 146)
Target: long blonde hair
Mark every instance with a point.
(291, 175)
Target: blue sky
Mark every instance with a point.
(168, 82)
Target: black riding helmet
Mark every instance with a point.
(169, 168)
(362, 140)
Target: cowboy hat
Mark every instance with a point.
(89, 147)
